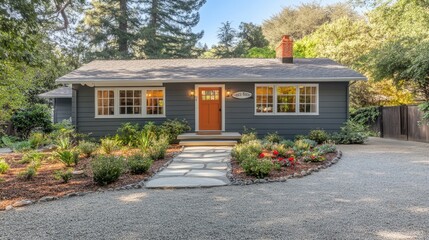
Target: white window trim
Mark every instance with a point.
(297, 99)
(116, 99)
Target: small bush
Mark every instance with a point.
(273, 137)
(63, 143)
(173, 128)
(128, 134)
(28, 119)
(299, 137)
(365, 115)
(158, 147)
(281, 149)
(65, 176)
(3, 166)
(62, 129)
(29, 173)
(23, 146)
(68, 157)
(8, 141)
(247, 137)
(287, 143)
(108, 145)
(87, 148)
(30, 157)
(314, 156)
(326, 148)
(36, 140)
(302, 145)
(107, 169)
(351, 133)
(259, 168)
(320, 136)
(151, 127)
(138, 164)
(244, 150)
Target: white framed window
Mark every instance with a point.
(145, 102)
(286, 99)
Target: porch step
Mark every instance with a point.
(188, 143)
(206, 136)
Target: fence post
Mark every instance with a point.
(380, 120)
(407, 120)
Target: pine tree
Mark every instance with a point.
(227, 45)
(169, 28)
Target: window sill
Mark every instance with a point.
(130, 116)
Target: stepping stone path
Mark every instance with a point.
(195, 167)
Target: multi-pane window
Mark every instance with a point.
(130, 102)
(105, 102)
(210, 95)
(154, 102)
(264, 99)
(286, 99)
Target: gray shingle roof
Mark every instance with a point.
(193, 70)
(61, 92)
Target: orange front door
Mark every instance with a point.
(210, 108)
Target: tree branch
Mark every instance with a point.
(62, 10)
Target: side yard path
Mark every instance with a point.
(195, 167)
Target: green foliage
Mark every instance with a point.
(36, 140)
(304, 144)
(128, 134)
(325, 148)
(247, 137)
(299, 137)
(62, 129)
(28, 174)
(313, 156)
(107, 169)
(30, 157)
(68, 157)
(3, 166)
(249, 149)
(87, 148)
(108, 145)
(273, 137)
(259, 168)
(424, 108)
(281, 149)
(351, 133)
(63, 143)
(145, 139)
(64, 176)
(365, 115)
(173, 128)
(158, 147)
(265, 52)
(139, 164)
(23, 146)
(320, 136)
(27, 119)
(287, 143)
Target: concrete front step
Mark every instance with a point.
(188, 143)
(221, 136)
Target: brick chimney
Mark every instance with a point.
(284, 51)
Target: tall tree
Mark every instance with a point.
(227, 36)
(168, 33)
(251, 35)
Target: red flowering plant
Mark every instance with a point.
(275, 153)
(261, 155)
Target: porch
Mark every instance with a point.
(209, 138)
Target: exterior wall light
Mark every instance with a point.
(192, 93)
(228, 93)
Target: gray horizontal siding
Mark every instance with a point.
(62, 109)
(239, 112)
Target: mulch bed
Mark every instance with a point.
(238, 174)
(13, 189)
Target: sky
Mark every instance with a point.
(214, 12)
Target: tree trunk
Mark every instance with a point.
(123, 27)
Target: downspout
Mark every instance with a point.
(74, 106)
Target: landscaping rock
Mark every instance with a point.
(78, 173)
(22, 203)
(8, 207)
(48, 198)
(5, 150)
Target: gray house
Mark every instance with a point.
(290, 96)
(62, 103)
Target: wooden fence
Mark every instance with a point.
(401, 122)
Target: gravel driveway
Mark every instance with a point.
(377, 191)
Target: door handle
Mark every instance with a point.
(220, 109)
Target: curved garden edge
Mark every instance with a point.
(138, 185)
(325, 165)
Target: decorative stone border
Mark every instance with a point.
(141, 184)
(283, 179)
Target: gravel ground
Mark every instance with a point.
(377, 191)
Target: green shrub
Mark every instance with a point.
(252, 148)
(424, 108)
(145, 139)
(3, 166)
(299, 137)
(273, 137)
(36, 140)
(151, 127)
(107, 169)
(68, 157)
(326, 148)
(30, 157)
(138, 164)
(128, 134)
(281, 149)
(302, 145)
(63, 142)
(259, 168)
(108, 145)
(87, 148)
(29, 173)
(247, 137)
(158, 147)
(8, 141)
(65, 176)
(320, 136)
(62, 129)
(173, 128)
(365, 115)
(313, 156)
(23, 146)
(35, 116)
(351, 133)
(287, 143)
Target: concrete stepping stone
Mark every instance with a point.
(176, 165)
(217, 166)
(173, 172)
(203, 160)
(205, 173)
(181, 182)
